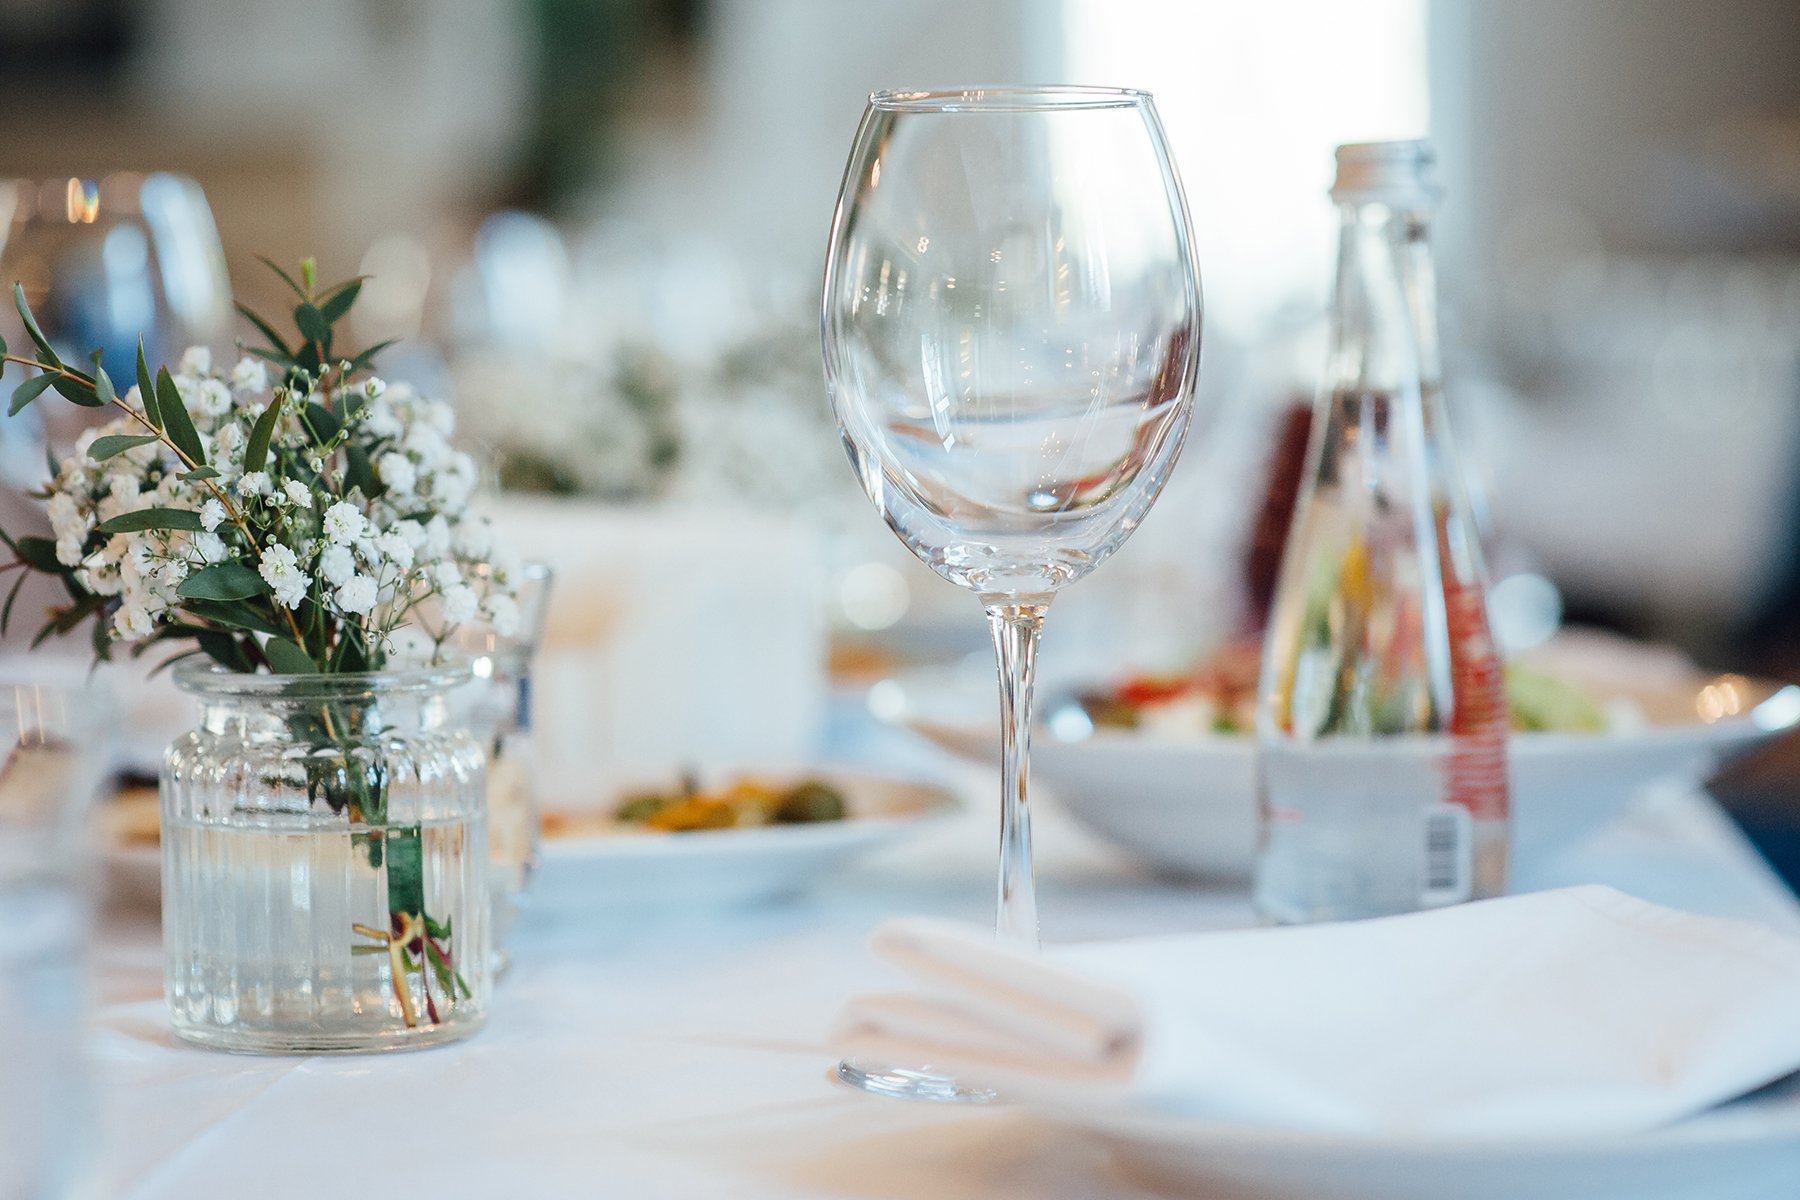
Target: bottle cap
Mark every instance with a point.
(1399, 174)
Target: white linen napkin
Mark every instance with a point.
(1576, 1012)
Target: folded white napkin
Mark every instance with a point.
(1575, 1012)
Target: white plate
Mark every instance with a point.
(1749, 1150)
(1188, 805)
(721, 867)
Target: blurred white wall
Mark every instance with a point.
(783, 84)
(381, 114)
(1618, 263)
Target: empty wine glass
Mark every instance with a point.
(1011, 338)
(104, 260)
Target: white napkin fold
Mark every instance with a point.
(1575, 1012)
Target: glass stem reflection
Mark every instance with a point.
(1015, 627)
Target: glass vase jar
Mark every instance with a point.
(325, 875)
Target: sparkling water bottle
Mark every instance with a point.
(1382, 715)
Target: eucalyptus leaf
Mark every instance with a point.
(225, 650)
(267, 330)
(285, 658)
(222, 581)
(334, 308)
(312, 323)
(405, 871)
(68, 618)
(176, 422)
(147, 388)
(170, 661)
(237, 615)
(39, 553)
(29, 390)
(152, 518)
(308, 359)
(367, 357)
(118, 443)
(101, 639)
(77, 389)
(322, 422)
(6, 613)
(285, 277)
(359, 474)
(199, 473)
(103, 385)
(31, 326)
(256, 450)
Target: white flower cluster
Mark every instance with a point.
(356, 528)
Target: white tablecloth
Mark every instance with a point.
(681, 1056)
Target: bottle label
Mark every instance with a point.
(1449, 848)
(1476, 775)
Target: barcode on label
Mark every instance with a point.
(1449, 854)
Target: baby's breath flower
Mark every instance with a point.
(343, 523)
(132, 623)
(503, 611)
(211, 398)
(195, 360)
(460, 605)
(337, 564)
(281, 571)
(396, 548)
(212, 513)
(397, 472)
(250, 375)
(209, 546)
(298, 493)
(357, 595)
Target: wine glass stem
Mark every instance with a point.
(1015, 627)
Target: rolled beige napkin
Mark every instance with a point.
(1576, 1012)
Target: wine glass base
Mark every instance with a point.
(905, 1084)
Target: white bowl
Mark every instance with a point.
(1188, 805)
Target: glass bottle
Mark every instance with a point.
(1382, 716)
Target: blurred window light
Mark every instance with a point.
(1254, 98)
(874, 596)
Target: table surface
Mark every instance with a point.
(682, 1055)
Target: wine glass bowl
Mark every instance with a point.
(1011, 315)
(104, 261)
(107, 259)
(1011, 336)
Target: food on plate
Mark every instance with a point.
(1541, 701)
(134, 816)
(740, 804)
(1220, 697)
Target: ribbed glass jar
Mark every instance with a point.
(325, 864)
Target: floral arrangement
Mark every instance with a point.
(584, 428)
(291, 514)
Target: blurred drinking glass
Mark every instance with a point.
(55, 763)
(499, 716)
(102, 261)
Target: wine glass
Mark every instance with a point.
(104, 260)
(1011, 338)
